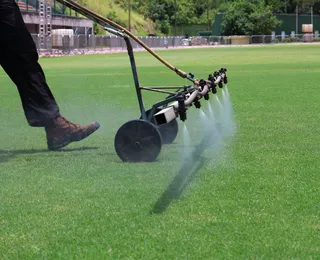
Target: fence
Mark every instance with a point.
(86, 43)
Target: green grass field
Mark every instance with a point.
(261, 200)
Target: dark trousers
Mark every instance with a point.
(19, 58)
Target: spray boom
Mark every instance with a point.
(191, 95)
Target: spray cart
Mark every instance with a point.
(141, 140)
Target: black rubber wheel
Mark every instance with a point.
(168, 131)
(138, 141)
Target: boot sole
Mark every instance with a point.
(69, 139)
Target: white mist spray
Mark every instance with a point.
(187, 143)
(218, 102)
(227, 113)
(210, 111)
(209, 135)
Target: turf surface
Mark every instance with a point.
(260, 200)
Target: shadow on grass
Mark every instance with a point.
(190, 167)
(6, 155)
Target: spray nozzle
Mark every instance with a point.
(212, 79)
(225, 78)
(214, 90)
(197, 103)
(202, 83)
(213, 85)
(182, 108)
(216, 74)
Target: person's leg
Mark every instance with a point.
(19, 58)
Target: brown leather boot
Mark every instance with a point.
(60, 132)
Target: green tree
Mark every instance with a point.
(306, 5)
(205, 10)
(236, 20)
(161, 11)
(185, 13)
(243, 17)
(278, 6)
(289, 6)
(263, 19)
(177, 12)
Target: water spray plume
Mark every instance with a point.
(227, 115)
(202, 114)
(223, 95)
(210, 111)
(187, 149)
(206, 122)
(185, 133)
(209, 150)
(218, 101)
(227, 90)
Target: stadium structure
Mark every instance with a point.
(44, 16)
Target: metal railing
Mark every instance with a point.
(65, 44)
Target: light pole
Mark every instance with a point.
(175, 17)
(129, 18)
(312, 15)
(297, 19)
(285, 6)
(208, 15)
